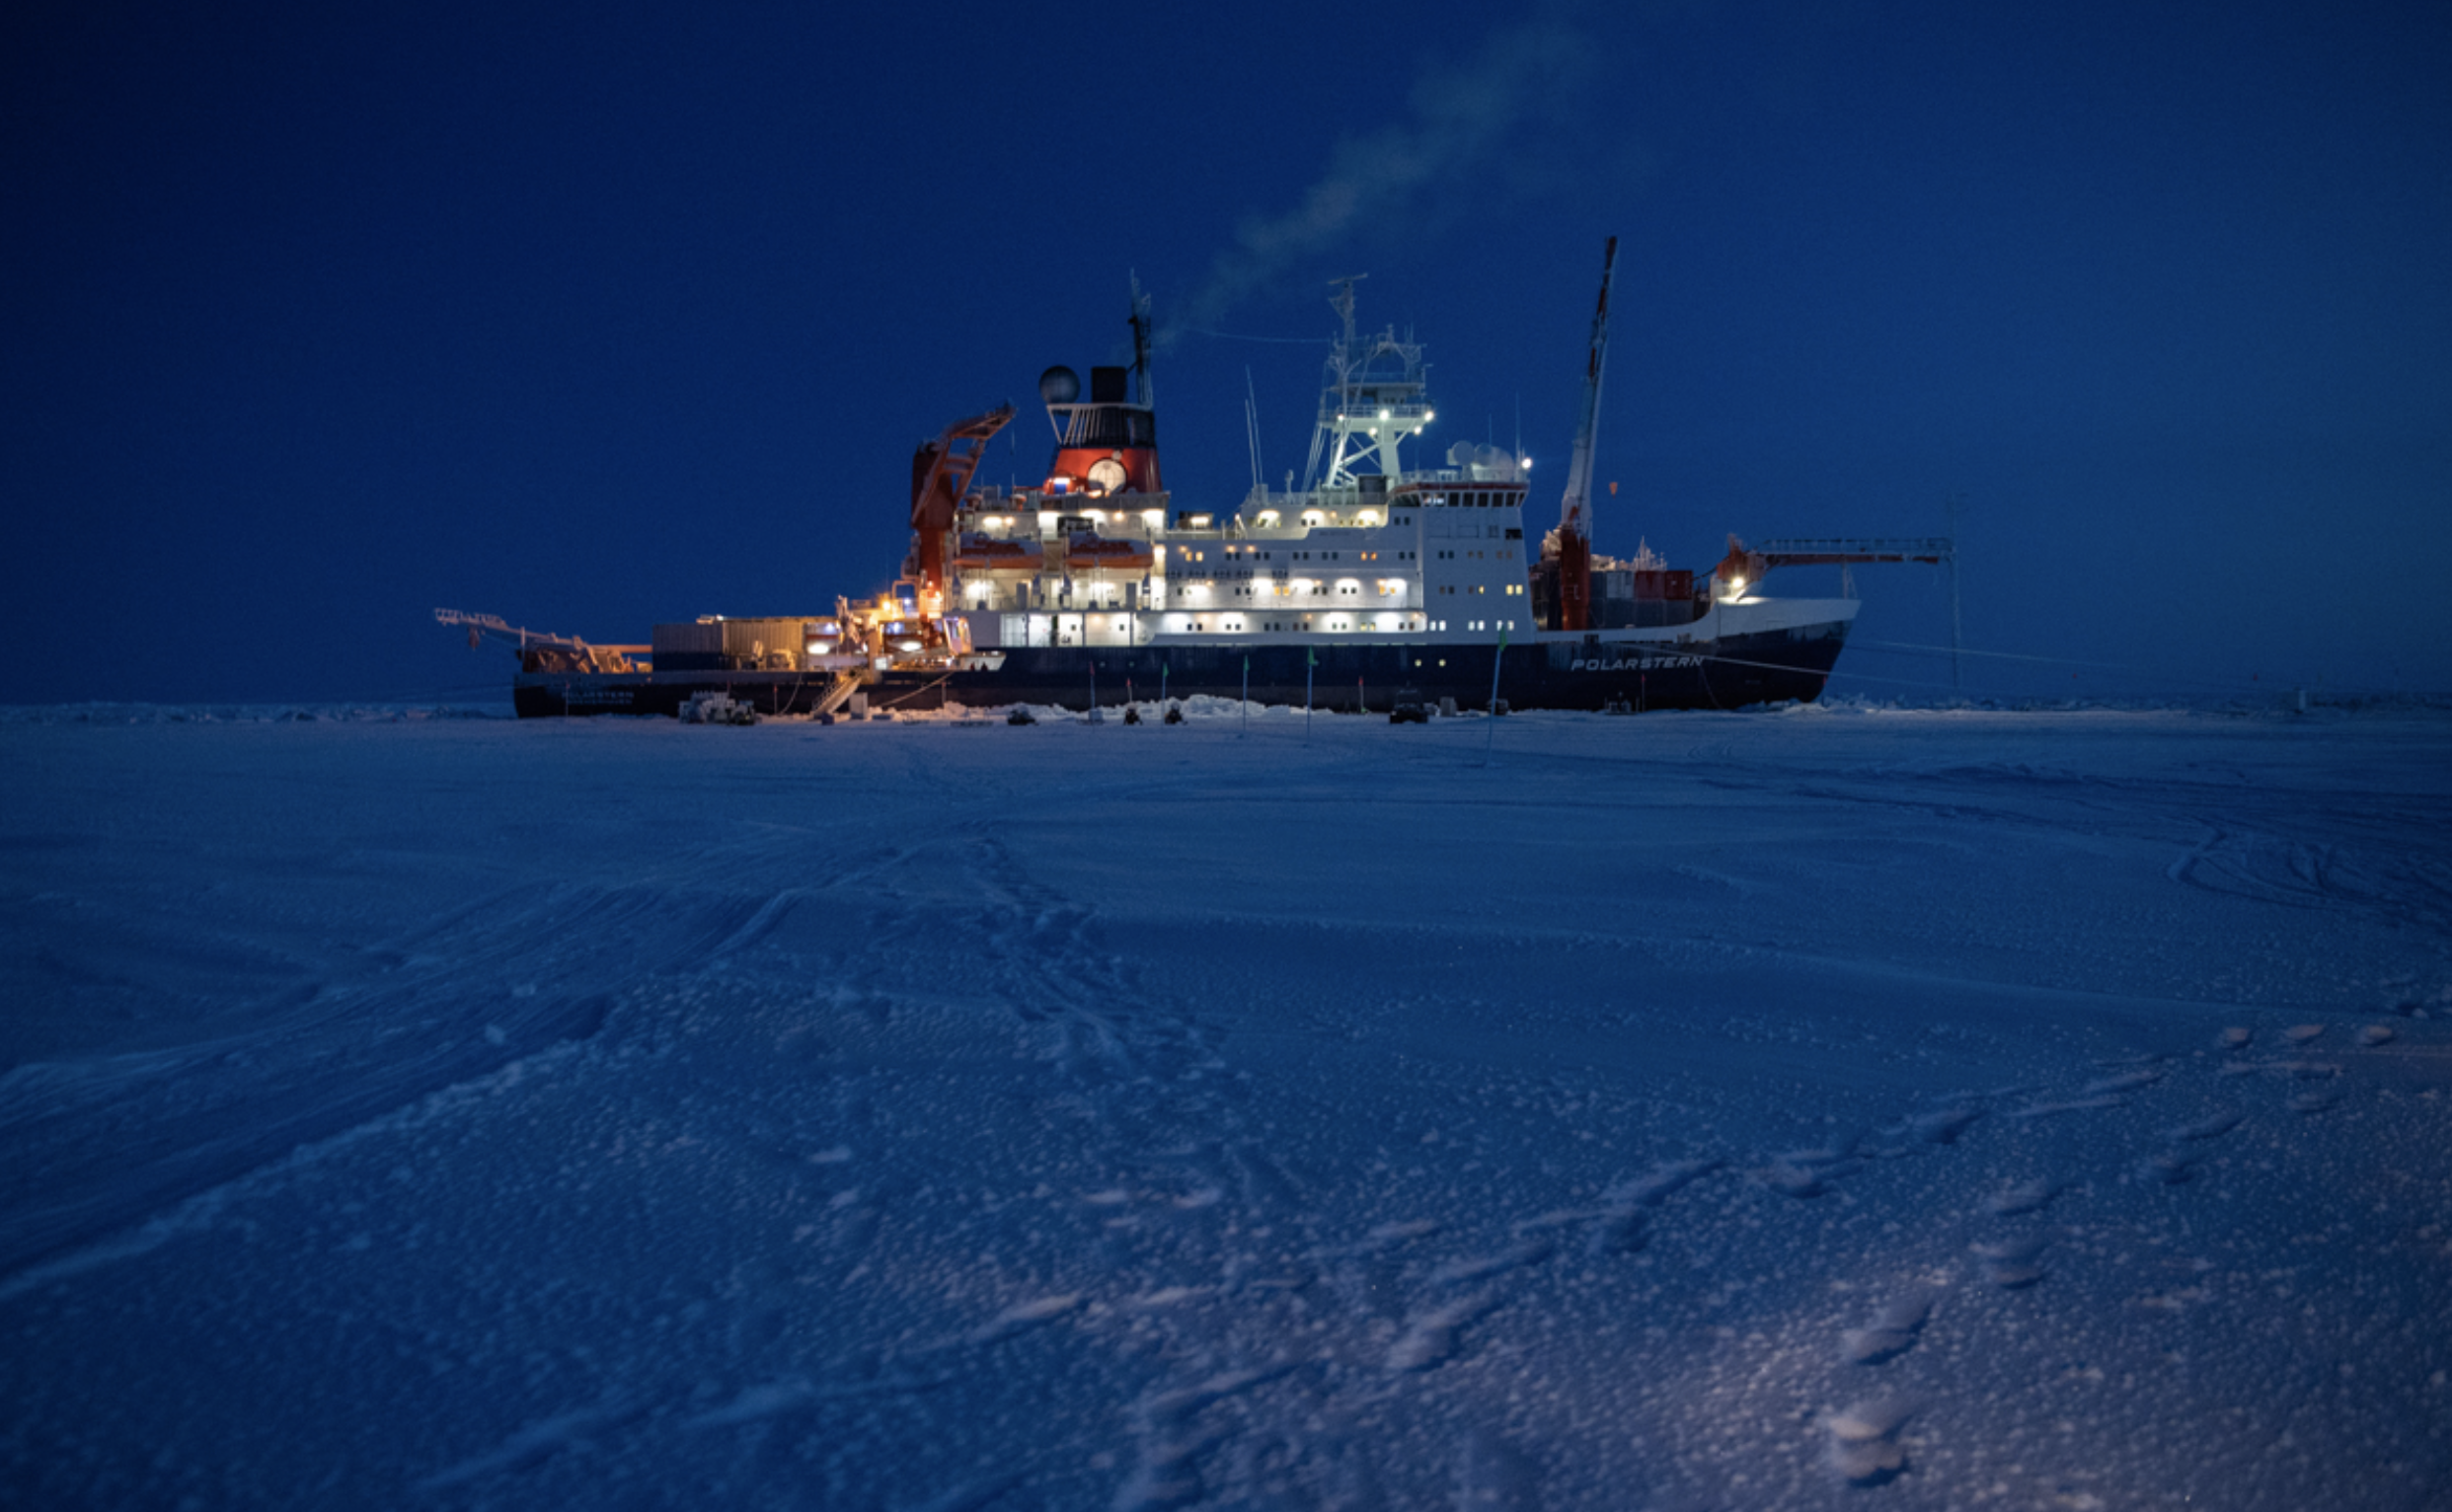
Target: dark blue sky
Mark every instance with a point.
(607, 315)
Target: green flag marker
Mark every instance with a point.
(1496, 662)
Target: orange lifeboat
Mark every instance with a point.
(989, 554)
(1086, 550)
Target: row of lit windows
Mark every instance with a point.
(1247, 576)
(1229, 626)
(1269, 556)
(1385, 587)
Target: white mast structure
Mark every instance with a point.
(1373, 396)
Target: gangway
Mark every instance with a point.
(845, 683)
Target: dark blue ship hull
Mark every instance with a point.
(1592, 673)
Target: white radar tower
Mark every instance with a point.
(1373, 396)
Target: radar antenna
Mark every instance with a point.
(1372, 396)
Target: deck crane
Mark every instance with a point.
(540, 650)
(1570, 603)
(941, 473)
(1742, 567)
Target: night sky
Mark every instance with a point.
(593, 317)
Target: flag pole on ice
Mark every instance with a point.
(1496, 662)
(1311, 659)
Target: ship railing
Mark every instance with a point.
(1039, 517)
(1368, 408)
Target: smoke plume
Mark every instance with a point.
(1463, 119)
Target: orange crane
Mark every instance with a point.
(941, 473)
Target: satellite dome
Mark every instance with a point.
(1059, 384)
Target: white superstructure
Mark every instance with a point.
(1391, 551)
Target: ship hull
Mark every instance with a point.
(1589, 672)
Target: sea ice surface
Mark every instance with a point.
(1820, 1108)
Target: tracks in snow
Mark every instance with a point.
(100, 1146)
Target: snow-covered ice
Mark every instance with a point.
(1846, 1107)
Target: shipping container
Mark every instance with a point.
(737, 646)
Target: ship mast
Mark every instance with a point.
(1372, 396)
(1573, 601)
(1140, 346)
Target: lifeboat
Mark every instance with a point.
(1086, 550)
(989, 554)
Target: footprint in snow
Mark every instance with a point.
(2011, 1263)
(2305, 1071)
(2084, 1105)
(972, 1495)
(1430, 1339)
(1864, 1439)
(1166, 1474)
(2375, 1035)
(1790, 1180)
(2301, 1033)
(1616, 1233)
(2024, 1197)
(1892, 1332)
(2237, 1037)
(1807, 1172)
(1022, 1316)
(1493, 1474)
(1381, 1236)
(769, 1399)
(1529, 1253)
(1943, 1126)
(534, 1444)
(1561, 1218)
(2210, 1127)
(2127, 1081)
(2171, 1168)
(1175, 1405)
(1613, 1230)
(1655, 1185)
